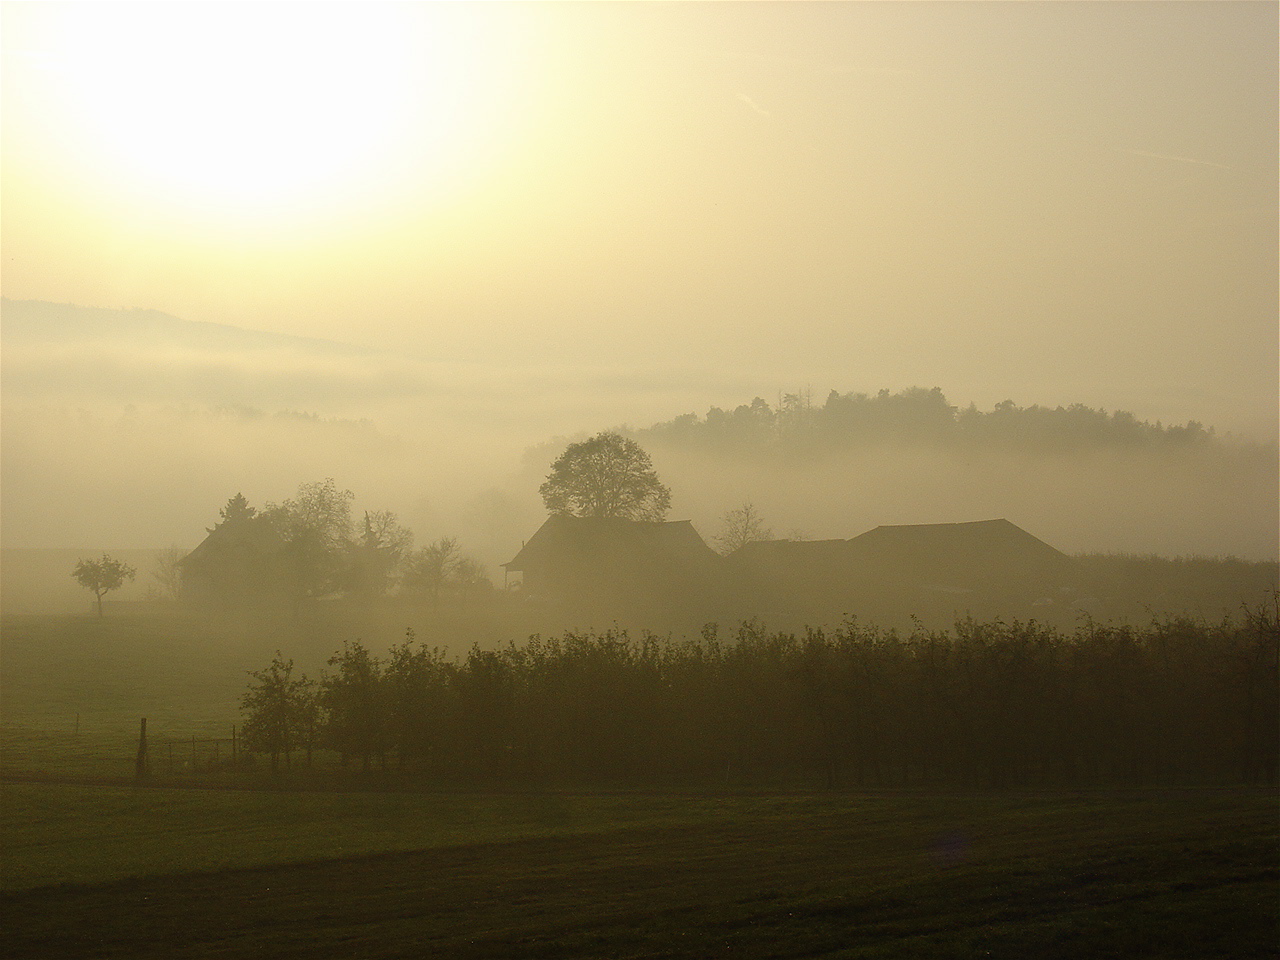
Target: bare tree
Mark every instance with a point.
(167, 573)
(378, 552)
(469, 575)
(741, 526)
(433, 566)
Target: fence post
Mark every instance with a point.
(235, 756)
(140, 765)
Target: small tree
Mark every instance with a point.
(236, 511)
(167, 574)
(608, 475)
(280, 711)
(377, 553)
(469, 575)
(430, 568)
(740, 527)
(102, 576)
(354, 701)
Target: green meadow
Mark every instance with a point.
(117, 872)
(201, 866)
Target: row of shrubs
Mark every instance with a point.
(983, 704)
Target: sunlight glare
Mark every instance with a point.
(268, 109)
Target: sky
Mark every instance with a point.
(1043, 202)
(531, 221)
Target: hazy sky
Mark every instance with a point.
(1051, 202)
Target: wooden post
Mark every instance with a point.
(235, 756)
(140, 765)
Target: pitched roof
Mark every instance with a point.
(604, 540)
(985, 540)
(787, 551)
(945, 553)
(986, 555)
(241, 538)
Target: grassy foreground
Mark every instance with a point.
(175, 874)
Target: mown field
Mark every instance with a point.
(110, 872)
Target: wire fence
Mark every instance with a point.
(192, 754)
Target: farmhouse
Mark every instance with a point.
(585, 557)
(241, 558)
(938, 570)
(935, 568)
(959, 557)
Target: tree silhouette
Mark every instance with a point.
(102, 576)
(279, 711)
(316, 529)
(235, 512)
(741, 526)
(168, 573)
(432, 567)
(375, 556)
(606, 476)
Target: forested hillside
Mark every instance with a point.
(916, 416)
(1084, 480)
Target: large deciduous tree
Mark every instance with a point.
(102, 576)
(608, 475)
(315, 527)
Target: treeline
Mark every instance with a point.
(981, 705)
(918, 416)
(310, 546)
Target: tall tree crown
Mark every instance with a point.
(607, 475)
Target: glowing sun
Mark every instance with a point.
(270, 108)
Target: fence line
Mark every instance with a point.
(187, 754)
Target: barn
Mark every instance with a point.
(579, 557)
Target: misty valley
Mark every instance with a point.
(645, 481)
(899, 676)
(598, 748)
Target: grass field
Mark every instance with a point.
(98, 871)
(110, 872)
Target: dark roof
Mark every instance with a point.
(944, 553)
(786, 551)
(985, 540)
(985, 555)
(228, 540)
(604, 540)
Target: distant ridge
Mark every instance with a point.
(39, 321)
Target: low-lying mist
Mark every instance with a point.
(137, 452)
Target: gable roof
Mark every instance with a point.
(252, 536)
(984, 555)
(790, 551)
(985, 541)
(565, 539)
(944, 554)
